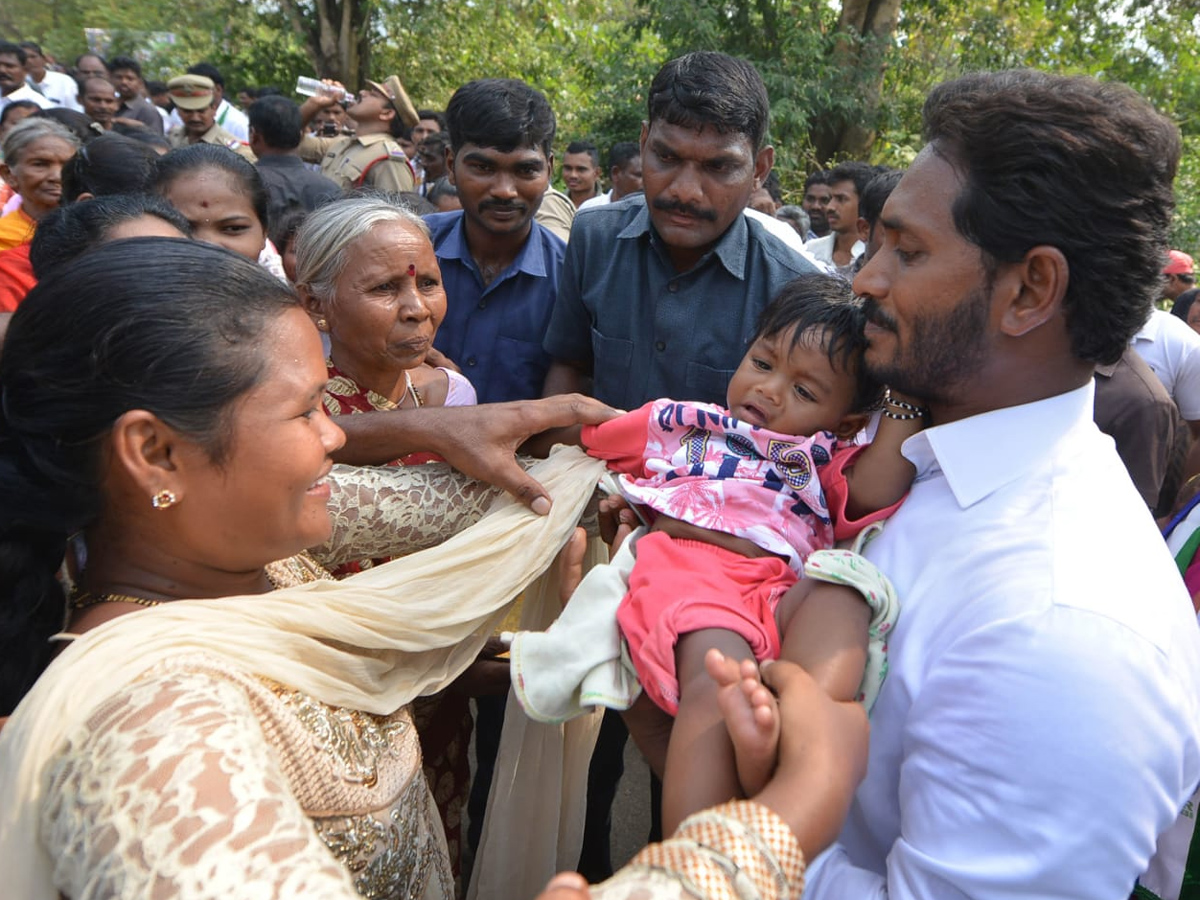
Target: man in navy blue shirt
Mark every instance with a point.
(500, 268)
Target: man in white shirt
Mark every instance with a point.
(57, 87)
(841, 247)
(624, 172)
(12, 78)
(1039, 728)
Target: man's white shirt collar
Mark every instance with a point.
(981, 454)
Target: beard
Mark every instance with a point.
(942, 352)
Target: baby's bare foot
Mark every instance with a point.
(751, 718)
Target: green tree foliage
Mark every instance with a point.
(846, 78)
(583, 54)
(1147, 44)
(250, 44)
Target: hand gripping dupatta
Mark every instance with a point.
(372, 642)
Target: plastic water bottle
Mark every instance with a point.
(310, 87)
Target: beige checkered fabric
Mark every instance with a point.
(738, 851)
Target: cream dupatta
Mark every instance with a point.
(372, 642)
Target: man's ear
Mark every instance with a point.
(764, 160)
(851, 424)
(864, 229)
(450, 164)
(148, 451)
(387, 113)
(1037, 285)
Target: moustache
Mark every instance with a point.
(875, 315)
(671, 206)
(502, 205)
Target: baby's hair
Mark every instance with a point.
(825, 306)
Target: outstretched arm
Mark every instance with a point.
(479, 441)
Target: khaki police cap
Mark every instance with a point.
(191, 91)
(394, 91)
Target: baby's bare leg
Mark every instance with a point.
(650, 728)
(824, 629)
(701, 768)
(751, 718)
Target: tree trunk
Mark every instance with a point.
(860, 46)
(335, 38)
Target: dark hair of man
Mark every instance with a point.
(10, 49)
(436, 142)
(208, 70)
(398, 130)
(860, 173)
(156, 87)
(585, 147)
(103, 61)
(503, 113)
(74, 121)
(186, 348)
(1180, 308)
(151, 139)
(818, 177)
(184, 161)
(31, 46)
(17, 105)
(875, 194)
(433, 115)
(715, 89)
(285, 226)
(277, 121)
(415, 203)
(441, 188)
(1024, 140)
(125, 63)
(823, 306)
(620, 153)
(71, 230)
(267, 91)
(111, 164)
(772, 186)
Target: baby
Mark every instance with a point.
(740, 497)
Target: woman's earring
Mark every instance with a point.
(164, 499)
(322, 325)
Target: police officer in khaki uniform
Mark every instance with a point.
(371, 157)
(197, 102)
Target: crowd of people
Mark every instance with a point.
(335, 439)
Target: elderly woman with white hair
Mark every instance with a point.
(367, 274)
(34, 153)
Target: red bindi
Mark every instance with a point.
(412, 270)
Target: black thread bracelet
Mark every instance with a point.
(911, 410)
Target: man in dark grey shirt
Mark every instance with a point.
(274, 136)
(660, 293)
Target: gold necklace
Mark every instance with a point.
(411, 389)
(80, 600)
